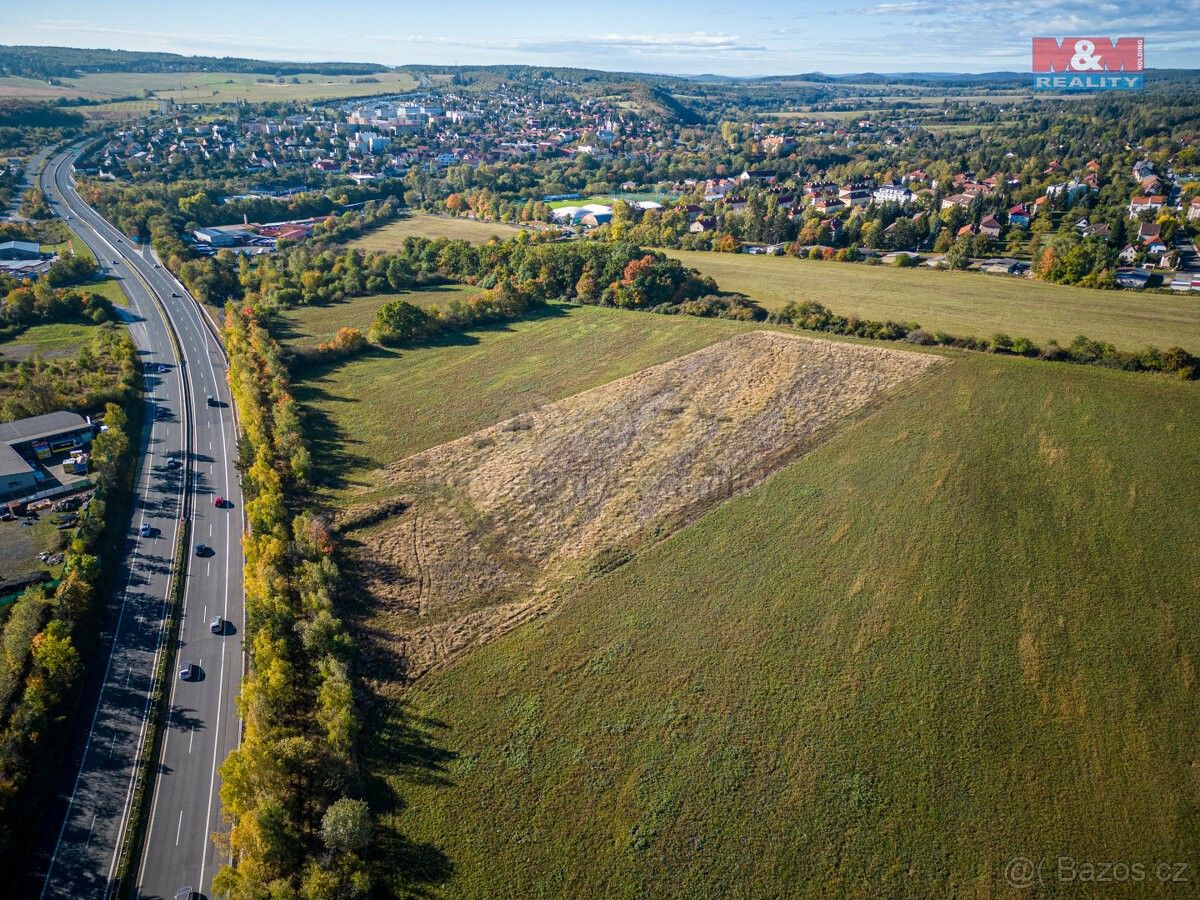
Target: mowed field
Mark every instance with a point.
(960, 303)
(206, 87)
(964, 629)
(425, 225)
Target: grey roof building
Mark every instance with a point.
(41, 427)
(20, 250)
(16, 475)
(19, 476)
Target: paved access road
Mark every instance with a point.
(203, 721)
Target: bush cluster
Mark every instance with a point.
(39, 302)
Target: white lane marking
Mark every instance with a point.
(158, 648)
(112, 744)
(112, 655)
(193, 312)
(179, 828)
(191, 737)
(91, 828)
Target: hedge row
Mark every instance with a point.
(813, 316)
(291, 790)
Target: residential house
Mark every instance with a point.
(1151, 185)
(855, 194)
(701, 225)
(1074, 189)
(1194, 209)
(1141, 204)
(893, 193)
(778, 144)
(990, 227)
(1001, 266)
(963, 200)
(1019, 215)
(828, 204)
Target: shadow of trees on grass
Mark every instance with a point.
(403, 748)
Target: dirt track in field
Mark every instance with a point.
(491, 529)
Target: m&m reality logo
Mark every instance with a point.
(1088, 64)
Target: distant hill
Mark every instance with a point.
(652, 92)
(69, 62)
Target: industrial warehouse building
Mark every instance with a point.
(25, 442)
(20, 250)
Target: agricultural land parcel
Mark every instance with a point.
(960, 303)
(961, 630)
(205, 87)
(965, 623)
(487, 528)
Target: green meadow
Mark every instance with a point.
(965, 629)
(960, 303)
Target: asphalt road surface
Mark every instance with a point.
(203, 725)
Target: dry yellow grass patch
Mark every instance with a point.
(490, 528)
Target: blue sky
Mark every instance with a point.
(751, 37)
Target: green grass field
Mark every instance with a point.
(388, 403)
(960, 303)
(964, 629)
(308, 326)
(53, 338)
(392, 235)
(205, 87)
(110, 288)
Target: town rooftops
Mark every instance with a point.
(36, 427)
